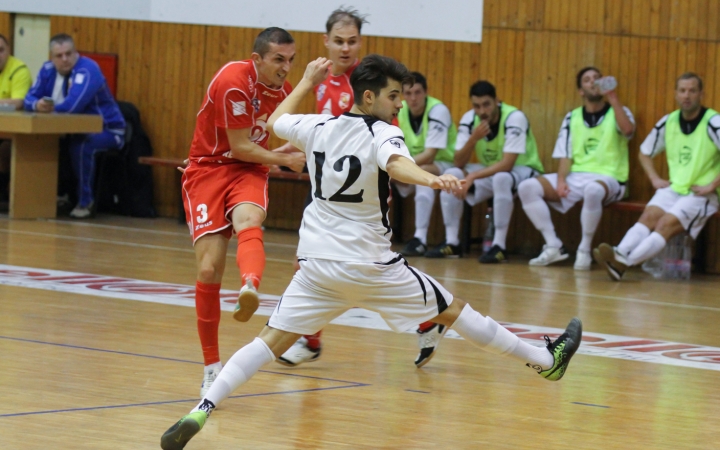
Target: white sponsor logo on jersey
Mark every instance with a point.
(238, 108)
(321, 91)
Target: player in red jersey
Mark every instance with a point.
(225, 184)
(332, 96)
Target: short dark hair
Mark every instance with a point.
(482, 88)
(690, 76)
(373, 72)
(580, 74)
(2, 36)
(272, 35)
(61, 38)
(419, 79)
(346, 16)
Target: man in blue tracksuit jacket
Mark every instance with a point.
(77, 86)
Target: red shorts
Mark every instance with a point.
(211, 191)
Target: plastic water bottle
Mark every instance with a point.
(606, 84)
(655, 266)
(489, 231)
(686, 261)
(677, 257)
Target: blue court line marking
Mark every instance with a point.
(421, 392)
(194, 400)
(78, 347)
(590, 404)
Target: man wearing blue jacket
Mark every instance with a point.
(74, 84)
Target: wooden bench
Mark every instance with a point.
(174, 163)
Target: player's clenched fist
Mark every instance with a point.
(447, 183)
(296, 161)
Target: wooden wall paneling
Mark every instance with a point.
(446, 80)
(626, 13)
(639, 21)
(703, 9)
(713, 85)
(613, 17)
(651, 27)
(6, 27)
(532, 91)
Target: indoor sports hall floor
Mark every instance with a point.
(98, 350)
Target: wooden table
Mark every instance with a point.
(34, 163)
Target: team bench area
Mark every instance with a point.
(288, 190)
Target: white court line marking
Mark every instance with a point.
(594, 344)
(458, 280)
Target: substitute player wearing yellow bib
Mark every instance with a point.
(500, 137)
(430, 137)
(593, 150)
(690, 137)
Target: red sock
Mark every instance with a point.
(207, 306)
(313, 340)
(251, 255)
(425, 326)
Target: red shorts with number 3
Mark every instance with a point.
(211, 191)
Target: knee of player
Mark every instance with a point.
(502, 181)
(456, 172)
(529, 190)
(209, 273)
(669, 226)
(594, 191)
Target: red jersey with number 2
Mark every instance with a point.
(335, 95)
(235, 99)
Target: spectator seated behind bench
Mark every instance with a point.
(15, 81)
(70, 83)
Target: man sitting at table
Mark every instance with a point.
(70, 83)
(15, 80)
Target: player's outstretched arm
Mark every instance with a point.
(405, 170)
(315, 73)
(242, 148)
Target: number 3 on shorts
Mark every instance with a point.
(203, 217)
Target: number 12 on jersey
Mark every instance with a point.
(354, 170)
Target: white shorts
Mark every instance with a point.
(322, 290)
(577, 181)
(518, 173)
(691, 210)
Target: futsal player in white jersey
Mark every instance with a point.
(344, 250)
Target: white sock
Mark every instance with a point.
(632, 238)
(494, 338)
(241, 367)
(452, 211)
(502, 206)
(531, 194)
(591, 213)
(424, 200)
(649, 247)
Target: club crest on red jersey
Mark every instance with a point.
(344, 100)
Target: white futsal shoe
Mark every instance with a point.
(299, 353)
(428, 342)
(583, 260)
(549, 255)
(211, 373)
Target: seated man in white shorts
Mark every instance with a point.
(430, 135)
(593, 150)
(690, 137)
(344, 250)
(500, 137)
